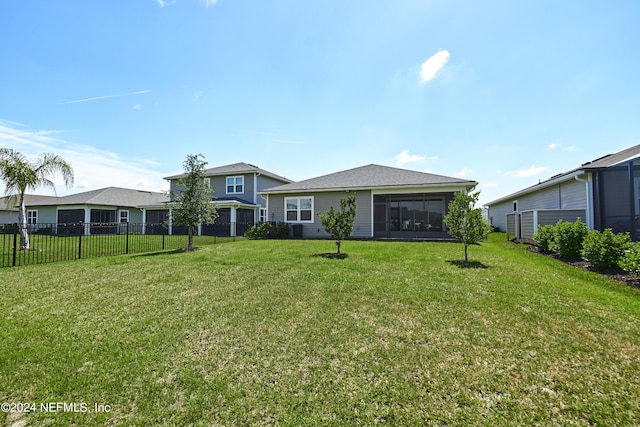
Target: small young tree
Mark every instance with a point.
(465, 222)
(340, 224)
(193, 204)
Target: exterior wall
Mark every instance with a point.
(135, 215)
(570, 194)
(321, 203)
(8, 217)
(47, 214)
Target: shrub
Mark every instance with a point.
(544, 238)
(568, 238)
(280, 230)
(630, 261)
(259, 231)
(605, 249)
(268, 230)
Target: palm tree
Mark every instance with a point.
(20, 175)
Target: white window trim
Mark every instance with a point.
(262, 216)
(207, 180)
(120, 215)
(298, 220)
(34, 214)
(226, 184)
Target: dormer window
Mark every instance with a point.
(235, 184)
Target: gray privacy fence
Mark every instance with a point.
(525, 224)
(63, 242)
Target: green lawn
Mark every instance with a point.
(52, 248)
(274, 333)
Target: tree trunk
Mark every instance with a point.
(466, 259)
(190, 244)
(338, 245)
(22, 225)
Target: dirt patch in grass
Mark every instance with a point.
(617, 273)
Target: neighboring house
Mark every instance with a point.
(391, 202)
(9, 212)
(103, 206)
(235, 189)
(604, 193)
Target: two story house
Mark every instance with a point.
(235, 190)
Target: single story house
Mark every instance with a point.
(234, 192)
(603, 193)
(9, 209)
(96, 207)
(390, 202)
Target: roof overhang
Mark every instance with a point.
(430, 188)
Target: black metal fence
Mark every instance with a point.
(63, 242)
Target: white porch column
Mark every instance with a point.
(87, 221)
(170, 221)
(232, 229)
(144, 221)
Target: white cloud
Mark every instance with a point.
(93, 167)
(207, 3)
(165, 3)
(197, 95)
(405, 157)
(489, 184)
(572, 148)
(553, 146)
(431, 66)
(463, 172)
(137, 107)
(533, 170)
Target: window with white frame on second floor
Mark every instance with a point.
(235, 184)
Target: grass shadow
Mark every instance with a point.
(171, 252)
(467, 264)
(331, 255)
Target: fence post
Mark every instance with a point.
(15, 243)
(164, 232)
(80, 243)
(126, 251)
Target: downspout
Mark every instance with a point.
(589, 199)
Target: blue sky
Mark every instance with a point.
(505, 93)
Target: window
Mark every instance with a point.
(298, 209)
(32, 217)
(124, 216)
(235, 184)
(207, 181)
(263, 215)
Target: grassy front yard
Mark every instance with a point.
(273, 333)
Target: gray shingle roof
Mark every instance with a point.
(235, 169)
(29, 199)
(370, 177)
(110, 196)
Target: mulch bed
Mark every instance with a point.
(617, 274)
